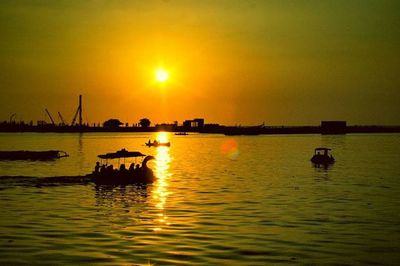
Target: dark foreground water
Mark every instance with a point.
(218, 201)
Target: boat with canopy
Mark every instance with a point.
(105, 173)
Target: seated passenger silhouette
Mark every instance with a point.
(97, 168)
(137, 170)
(103, 169)
(132, 167)
(110, 169)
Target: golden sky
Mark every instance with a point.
(231, 62)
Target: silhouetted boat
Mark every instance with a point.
(322, 156)
(32, 155)
(157, 144)
(101, 176)
(107, 175)
(181, 134)
(236, 131)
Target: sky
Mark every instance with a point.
(230, 62)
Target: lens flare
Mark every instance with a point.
(230, 148)
(162, 137)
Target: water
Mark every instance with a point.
(218, 201)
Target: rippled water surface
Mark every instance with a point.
(218, 201)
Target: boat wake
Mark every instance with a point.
(7, 181)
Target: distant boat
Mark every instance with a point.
(241, 133)
(32, 155)
(322, 156)
(181, 134)
(236, 131)
(157, 144)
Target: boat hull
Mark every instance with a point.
(158, 145)
(119, 178)
(32, 155)
(322, 159)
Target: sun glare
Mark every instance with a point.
(161, 75)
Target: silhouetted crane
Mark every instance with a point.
(51, 118)
(78, 111)
(61, 119)
(12, 117)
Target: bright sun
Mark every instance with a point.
(161, 75)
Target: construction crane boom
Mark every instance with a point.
(61, 119)
(78, 111)
(51, 118)
(12, 117)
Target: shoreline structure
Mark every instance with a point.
(328, 127)
(196, 125)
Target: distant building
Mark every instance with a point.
(197, 123)
(333, 127)
(41, 123)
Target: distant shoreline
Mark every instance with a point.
(227, 130)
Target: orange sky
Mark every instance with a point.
(231, 62)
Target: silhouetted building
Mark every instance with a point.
(197, 123)
(333, 127)
(41, 123)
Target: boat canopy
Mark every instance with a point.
(322, 149)
(121, 154)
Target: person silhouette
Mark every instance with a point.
(97, 168)
(132, 167)
(103, 169)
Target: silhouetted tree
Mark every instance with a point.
(144, 122)
(112, 123)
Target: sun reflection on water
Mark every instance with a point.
(162, 164)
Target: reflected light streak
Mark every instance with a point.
(162, 137)
(162, 164)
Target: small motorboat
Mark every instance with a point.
(181, 134)
(322, 156)
(157, 144)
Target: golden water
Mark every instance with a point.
(218, 200)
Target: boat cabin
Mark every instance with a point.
(322, 156)
(322, 151)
